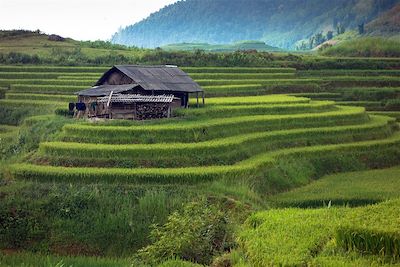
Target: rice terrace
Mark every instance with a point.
(136, 152)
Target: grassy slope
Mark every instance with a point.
(41, 46)
(246, 45)
(365, 47)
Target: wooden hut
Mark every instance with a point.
(132, 89)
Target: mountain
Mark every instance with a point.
(387, 23)
(279, 23)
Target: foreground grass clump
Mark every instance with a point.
(353, 188)
(372, 230)
(287, 237)
(297, 237)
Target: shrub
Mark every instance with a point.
(197, 234)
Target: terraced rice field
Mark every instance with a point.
(229, 137)
(274, 142)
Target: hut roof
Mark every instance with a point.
(105, 90)
(156, 78)
(137, 99)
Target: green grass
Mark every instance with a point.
(372, 230)
(353, 188)
(46, 97)
(37, 260)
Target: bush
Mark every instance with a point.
(197, 234)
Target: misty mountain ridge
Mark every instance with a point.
(279, 23)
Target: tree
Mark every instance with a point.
(340, 29)
(319, 38)
(329, 35)
(361, 29)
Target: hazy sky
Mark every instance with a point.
(78, 19)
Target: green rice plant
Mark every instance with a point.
(27, 75)
(14, 111)
(202, 130)
(253, 100)
(11, 82)
(353, 188)
(313, 237)
(57, 69)
(343, 81)
(236, 70)
(289, 237)
(47, 97)
(209, 82)
(229, 90)
(27, 259)
(217, 111)
(393, 114)
(46, 89)
(25, 102)
(369, 105)
(223, 151)
(49, 76)
(318, 95)
(260, 89)
(240, 76)
(351, 72)
(324, 158)
(372, 230)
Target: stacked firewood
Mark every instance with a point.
(147, 111)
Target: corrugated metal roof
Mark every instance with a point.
(157, 78)
(105, 90)
(137, 99)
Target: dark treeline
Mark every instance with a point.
(200, 59)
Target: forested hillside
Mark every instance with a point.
(280, 23)
(386, 24)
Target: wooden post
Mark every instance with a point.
(197, 98)
(204, 102)
(108, 105)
